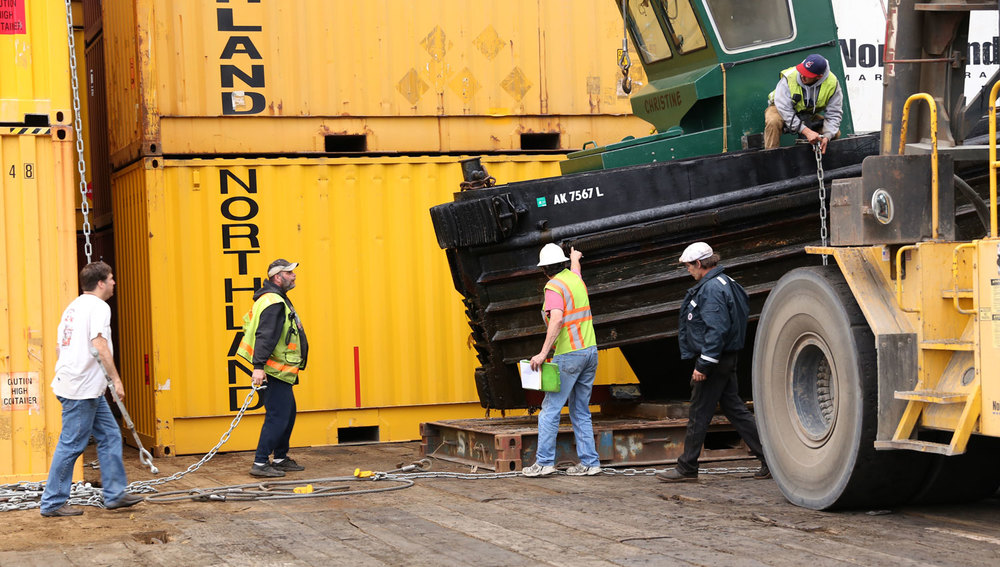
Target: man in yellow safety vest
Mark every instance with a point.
(569, 326)
(274, 341)
(807, 100)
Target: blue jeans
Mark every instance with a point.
(279, 420)
(576, 375)
(80, 420)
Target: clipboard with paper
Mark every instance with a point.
(545, 379)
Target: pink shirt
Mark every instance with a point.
(554, 300)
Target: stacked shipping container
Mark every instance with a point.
(37, 252)
(245, 131)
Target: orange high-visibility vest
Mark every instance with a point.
(578, 326)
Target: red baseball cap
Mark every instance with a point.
(812, 66)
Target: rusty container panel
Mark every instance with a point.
(34, 57)
(127, 79)
(193, 239)
(37, 253)
(91, 19)
(85, 121)
(98, 160)
(342, 68)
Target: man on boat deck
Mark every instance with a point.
(808, 101)
(569, 327)
(712, 329)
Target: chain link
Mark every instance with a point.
(28, 495)
(147, 485)
(822, 198)
(81, 165)
(604, 471)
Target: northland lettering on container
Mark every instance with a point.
(239, 240)
(20, 391)
(240, 45)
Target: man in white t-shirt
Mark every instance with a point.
(79, 385)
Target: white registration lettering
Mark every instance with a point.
(577, 195)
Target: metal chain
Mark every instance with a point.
(822, 198)
(81, 165)
(147, 485)
(28, 495)
(604, 471)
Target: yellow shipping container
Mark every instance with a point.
(196, 77)
(34, 59)
(387, 329)
(38, 259)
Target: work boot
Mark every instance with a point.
(125, 501)
(674, 475)
(65, 510)
(287, 465)
(538, 470)
(265, 470)
(763, 472)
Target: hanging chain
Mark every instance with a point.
(147, 485)
(81, 165)
(624, 61)
(822, 198)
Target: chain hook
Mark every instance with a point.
(624, 61)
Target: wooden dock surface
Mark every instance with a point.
(723, 519)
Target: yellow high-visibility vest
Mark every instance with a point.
(577, 330)
(286, 358)
(826, 90)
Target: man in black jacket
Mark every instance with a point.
(274, 341)
(713, 326)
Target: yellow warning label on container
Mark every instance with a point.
(20, 391)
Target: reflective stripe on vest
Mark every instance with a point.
(826, 90)
(577, 326)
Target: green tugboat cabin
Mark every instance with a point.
(710, 66)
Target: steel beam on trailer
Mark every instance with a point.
(509, 443)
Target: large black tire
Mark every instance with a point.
(968, 477)
(815, 393)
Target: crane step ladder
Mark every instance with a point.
(948, 394)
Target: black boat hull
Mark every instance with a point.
(758, 210)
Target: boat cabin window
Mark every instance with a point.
(647, 31)
(743, 24)
(683, 26)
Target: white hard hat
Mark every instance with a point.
(696, 251)
(551, 254)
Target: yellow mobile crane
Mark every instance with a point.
(876, 379)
